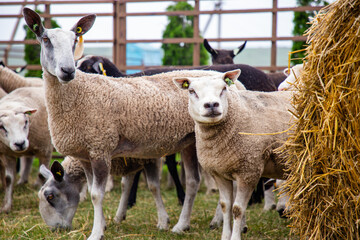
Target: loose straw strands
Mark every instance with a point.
(323, 151)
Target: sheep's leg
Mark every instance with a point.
(282, 206)
(191, 166)
(243, 195)
(226, 196)
(25, 168)
(97, 176)
(126, 185)
(43, 160)
(171, 164)
(218, 217)
(10, 170)
(109, 183)
(209, 182)
(133, 191)
(152, 172)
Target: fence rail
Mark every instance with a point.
(120, 40)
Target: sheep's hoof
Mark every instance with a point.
(5, 209)
(163, 226)
(245, 229)
(120, 219)
(215, 224)
(180, 230)
(22, 182)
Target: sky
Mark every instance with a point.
(151, 27)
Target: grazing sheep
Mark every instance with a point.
(292, 76)
(22, 133)
(220, 115)
(97, 118)
(66, 181)
(220, 56)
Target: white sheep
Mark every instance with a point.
(22, 133)
(220, 116)
(292, 75)
(65, 183)
(97, 118)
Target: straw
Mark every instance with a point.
(323, 151)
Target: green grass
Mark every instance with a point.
(24, 221)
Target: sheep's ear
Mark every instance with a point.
(30, 111)
(57, 171)
(182, 82)
(209, 48)
(46, 173)
(33, 20)
(84, 25)
(96, 67)
(231, 76)
(286, 72)
(239, 49)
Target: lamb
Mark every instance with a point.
(97, 118)
(220, 56)
(292, 75)
(22, 134)
(66, 181)
(222, 119)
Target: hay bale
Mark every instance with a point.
(324, 149)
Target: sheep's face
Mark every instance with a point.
(57, 49)
(14, 129)
(58, 198)
(58, 45)
(292, 75)
(208, 95)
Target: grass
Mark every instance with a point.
(25, 222)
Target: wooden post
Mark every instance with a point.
(47, 20)
(119, 47)
(196, 37)
(273, 36)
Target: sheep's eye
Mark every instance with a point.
(222, 92)
(50, 197)
(3, 128)
(46, 39)
(192, 92)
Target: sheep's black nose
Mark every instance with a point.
(69, 73)
(20, 145)
(211, 105)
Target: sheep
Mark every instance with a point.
(97, 118)
(222, 119)
(220, 56)
(66, 181)
(292, 75)
(102, 65)
(9, 80)
(22, 134)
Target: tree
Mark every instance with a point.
(301, 24)
(181, 27)
(32, 52)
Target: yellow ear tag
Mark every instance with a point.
(228, 81)
(78, 29)
(102, 69)
(35, 27)
(58, 173)
(185, 84)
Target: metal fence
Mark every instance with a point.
(120, 40)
